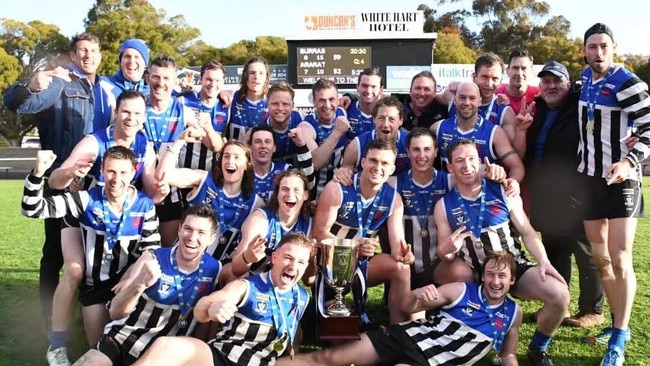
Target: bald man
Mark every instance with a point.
(467, 123)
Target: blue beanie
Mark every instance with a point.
(138, 45)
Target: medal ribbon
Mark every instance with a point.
(152, 126)
(498, 337)
(591, 101)
(114, 229)
(472, 135)
(364, 228)
(422, 215)
(489, 110)
(221, 198)
(185, 305)
(475, 226)
(280, 317)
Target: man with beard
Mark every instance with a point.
(260, 315)
(483, 316)
(160, 292)
(614, 104)
(358, 211)
(118, 224)
(518, 93)
(468, 124)
(473, 220)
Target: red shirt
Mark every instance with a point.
(515, 102)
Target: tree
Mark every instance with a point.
(31, 42)
(12, 126)
(114, 21)
(450, 49)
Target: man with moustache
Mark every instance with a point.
(160, 293)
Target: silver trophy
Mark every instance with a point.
(338, 261)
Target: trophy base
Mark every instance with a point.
(338, 328)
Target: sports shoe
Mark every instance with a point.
(57, 357)
(584, 320)
(539, 358)
(613, 357)
(604, 336)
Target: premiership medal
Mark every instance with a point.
(590, 127)
(424, 233)
(278, 346)
(108, 257)
(478, 244)
(183, 323)
(496, 360)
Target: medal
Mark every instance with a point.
(496, 360)
(222, 240)
(478, 244)
(590, 127)
(108, 257)
(591, 93)
(182, 323)
(278, 347)
(424, 233)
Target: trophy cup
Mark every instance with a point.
(338, 261)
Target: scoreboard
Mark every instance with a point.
(342, 60)
(339, 64)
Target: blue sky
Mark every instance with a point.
(222, 25)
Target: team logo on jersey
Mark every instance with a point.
(98, 213)
(628, 196)
(499, 324)
(501, 315)
(164, 288)
(468, 311)
(210, 195)
(379, 214)
(137, 221)
(407, 197)
(260, 307)
(349, 206)
(473, 305)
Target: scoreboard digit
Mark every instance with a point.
(342, 65)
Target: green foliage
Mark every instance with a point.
(11, 126)
(450, 49)
(30, 42)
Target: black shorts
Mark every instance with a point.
(219, 359)
(169, 211)
(423, 278)
(614, 201)
(394, 346)
(98, 294)
(113, 349)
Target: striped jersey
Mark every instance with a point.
(245, 115)
(284, 146)
(249, 338)
(495, 229)
(419, 201)
(322, 132)
(620, 107)
(139, 229)
(195, 155)
(463, 332)
(264, 184)
(348, 224)
(158, 311)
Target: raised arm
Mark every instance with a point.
(251, 246)
(507, 155)
(220, 306)
(146, 273)
(429, 297)
(77, 165)
(327, 211)
(167, 170)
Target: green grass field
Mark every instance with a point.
(22, 340)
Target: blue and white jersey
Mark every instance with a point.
(195, 155)
(402, 162)
(231, 213)
(322, 132)
(245, 115)
(492, 211)
(359, 122)
(165, 308)
(250, 337)
(482, 135)
(374, 212)
(131, 232)
(264, 184)
(463, 332)
(141, 147)
(611, 109)
(284, 146)
(275, 233)
(163, 128)
(491, 111)
(419, 201)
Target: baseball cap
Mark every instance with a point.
(597, 29)
(556, 69)
(138, 45)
